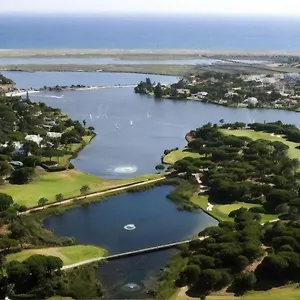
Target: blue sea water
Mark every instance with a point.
(149, 32)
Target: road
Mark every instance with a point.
(102, 193)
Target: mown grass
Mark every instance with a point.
(290, 292)
(255, 135)
(68, 183)
(221, 211)
(69, 255)
(176, 155)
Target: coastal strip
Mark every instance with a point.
(138, 52)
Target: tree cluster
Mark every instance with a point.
(17, 121)
(282, 264)
(220, 259)
(240, 169)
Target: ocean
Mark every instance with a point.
(149, 32)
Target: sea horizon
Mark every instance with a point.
(147, 31)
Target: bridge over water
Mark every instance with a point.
(129, 253)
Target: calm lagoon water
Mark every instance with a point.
(157, 221)
(157, 124)
(39, 79)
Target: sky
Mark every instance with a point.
(265, 7)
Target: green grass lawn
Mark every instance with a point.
(66, 182)
(221, 212)
(290, 292)
(176, 155)
(69, 255)
(255, 135)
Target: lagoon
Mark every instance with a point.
(157, 221)
(158, 124)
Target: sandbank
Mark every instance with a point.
(123, 53)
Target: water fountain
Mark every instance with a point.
(131, 287)
(130, 227)
(125, 169)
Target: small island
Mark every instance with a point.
(277, 91)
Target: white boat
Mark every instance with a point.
(131, 123)
(91, 117)
(117, 126)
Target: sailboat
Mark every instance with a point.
(131, 123)
(91, 117)
(117, 126)
(148, 115)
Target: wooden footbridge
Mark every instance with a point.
(129, 253)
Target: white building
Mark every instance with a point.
(201, 95)
(54, 135)
(251, 100)
(34, 138)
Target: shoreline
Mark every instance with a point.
(108, 192)
(23, 92)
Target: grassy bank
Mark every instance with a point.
(221, 212)
(289, 292)
(176, 155)
(255, 135)
(69, 255)
(68, 183)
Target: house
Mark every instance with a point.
(201, 95)
(49, 121)
(251, 100)
(230, 94)
(34, 138)
(54, 135)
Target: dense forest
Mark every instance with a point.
(242, 255)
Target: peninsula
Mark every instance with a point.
(273, 90)
(246, 176)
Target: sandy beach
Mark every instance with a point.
(139, 53)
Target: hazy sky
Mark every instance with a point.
(273, 7)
